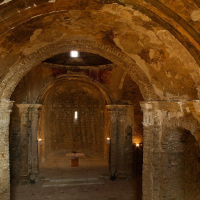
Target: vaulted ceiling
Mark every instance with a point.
(156, 42)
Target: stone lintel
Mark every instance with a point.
(23, 108)
(121, 113)
(122, 110)
(173, 106)
(154, 112)
(114, 107)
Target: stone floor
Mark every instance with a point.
(57, 170)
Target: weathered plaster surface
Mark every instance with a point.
(52, 1)
(155, 53)
(195, 15)
(5, 1)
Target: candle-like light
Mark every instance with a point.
(108, 140)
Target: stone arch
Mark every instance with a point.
(80, 78)
(162, 14)
(179, 158)
(180, 161)
(188, 122)
(72, 96)
(113, 54)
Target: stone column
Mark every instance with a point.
(5, 110)
(28, 140)
(106, 135)
(129, 164)
(121, 147)
(112, 115)
(152, 117)
(41, 135)
(125, 118)
(24, 140)
(35, 108)
(121, 116)
(102, 131)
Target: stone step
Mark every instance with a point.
(73, 182)
(105, 176)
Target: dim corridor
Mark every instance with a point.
(88, 181)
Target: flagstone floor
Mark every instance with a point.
(84, 185)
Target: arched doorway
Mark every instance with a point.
(61, 91)
(73, 123)
(179, 165)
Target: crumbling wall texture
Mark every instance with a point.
(180, 165)
(18, 96)
(65, 133)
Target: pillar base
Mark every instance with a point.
(121, 176)
(24, 180)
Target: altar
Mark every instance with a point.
(75, 158)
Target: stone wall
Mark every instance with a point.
(65, 133)
(179, 163)
(171, 150)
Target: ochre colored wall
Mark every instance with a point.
(62, 131)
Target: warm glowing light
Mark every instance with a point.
(74, 54)
(39, 139)
(137, 145)
(76, 115)
(108, 140)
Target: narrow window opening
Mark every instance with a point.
(76, 115)
(74, 54)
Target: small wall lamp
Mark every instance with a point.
(108, 140)
(138, 144)
(40, 141)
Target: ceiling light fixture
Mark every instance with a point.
(74, 54)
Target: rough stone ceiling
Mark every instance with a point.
(161, 39)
